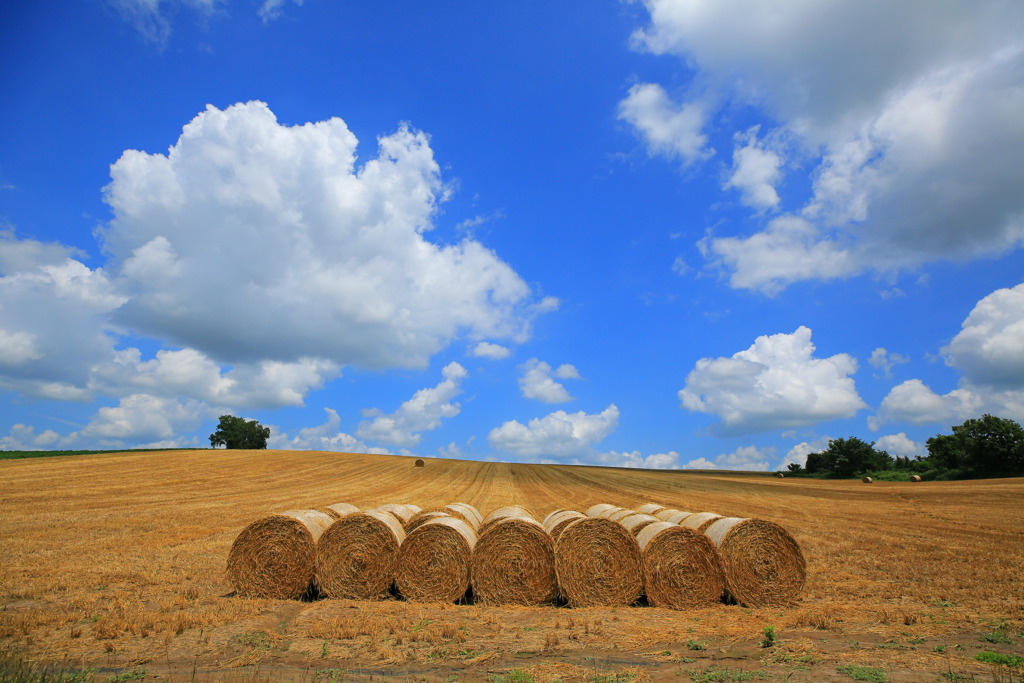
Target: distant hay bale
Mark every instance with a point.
(867, 480)
(780, 475)
(357, 556)
(596, 510)
(620, 514)
(915, 477)
(501, 513)
(678, 517)
(275, 557)
(681, 566)
(650, 508)
(763, 564)
(556, 522)
(421, 518)
(419, 463)
(514, 563)
(664, 514)
(435, 561)
(598, 563)
(403, 513)
(700, 520)
(338, 510)
(465, 512)
(634, 523)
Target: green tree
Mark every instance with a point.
(235, 432)
(846, 458)
(980, 447)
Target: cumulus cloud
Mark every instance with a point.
(774, 384)
(141, 418)
(669, 129)
(537, 381)
(150, 17)
(492, 351)
(884, 360)
(798, 453)
(914, 401)
(755, 171)
(558, 436)
(910, 116)
(900, 444)
(23, 437)
(748, 458)
(989, 349)
(271, 10)
(423, 412)
(325, 437)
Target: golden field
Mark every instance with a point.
(116, 563)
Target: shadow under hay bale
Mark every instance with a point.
(763, 564)
(275, 557)
(681, 566)
(357, 556)
(598, 563)
(514, 563)
(435, 561)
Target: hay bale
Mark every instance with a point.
(867, 480)
(357, 557)
(275, 557)
(681, 566)
(422, 518)
(700, 521)
(598, 563)
(514, 563)
(556, 522)
(501, 513)
(763, 564)
(339, 510)
(465, 512)
(915, 477)
(419, 463)
(634, 523)
(415, 508)
(663, 515)
(650, 509)
(620, 514)
(403, 513)
(780, 475)
(677, 518)
(435, 561)
(596, 510)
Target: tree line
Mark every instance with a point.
(982, 447)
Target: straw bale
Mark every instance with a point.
(780, 475)
(634, 523)
(501, 513)
(555, 523)
(435, 561)
(421, 518)
(275, 557)
(663, 515)
(357, 557)
(415, 508)
(867, 480)
(514, 563)
(650, 508)
(681, 566)
(338, 510)
(677, 518)
(403, 513)
(419, 463)
(557, 511)
(700, 520)
(598, 563)
(465, 512)
(619, 515)
(596, 510)
(915, 477)
(763, 564)
(607, 514)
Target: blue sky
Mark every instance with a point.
(662, 234)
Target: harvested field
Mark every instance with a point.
(117, 562)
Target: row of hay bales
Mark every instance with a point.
(605, 556)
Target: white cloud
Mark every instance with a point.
(151, 20)
(671, 130)
(635, 459)
(139, 418)
(989, 348)
(774, 384)
(913, 401)
(909, 110)
(325, 437)
(798, 453)
(558, 436)
(755, 171)
(884, 360)
(492, 351)
(423, 412)
(271, 10)
(748, 458)
(18, 255)
(24, 438)
(900, 444)
(537, 381)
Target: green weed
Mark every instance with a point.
(863, 673)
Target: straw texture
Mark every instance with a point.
(435, 561)
(501, 513)
(466, 512)
(275, 557)
(665, 514)
(681, 567)
(403, 513)
(635, 523)
(700, 520)
(598, 563)
(514, 563)
(339, 510)
(357, 557)
(763, 564)
(596, 510)
(421, 518)
(650, 509)
(558, 520)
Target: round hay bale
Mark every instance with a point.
(415, 508)
(466, 512)
(501, 513)
(620, 514)
(663, 515)
(419, 463)
(700, 521)
(867, 480)
(681, 566)
(403, 513)
(598, 563)
(607, 514)
(357, 557)
(650, 509)
(596, 510)
(780, 475)
(634, 523)
(557, 511)
(915, 477)
(275, 557)
(678, 517)
(762, 562)
(339, 510)
(514, 563)
(435, 560)
(421, 518)
(556, 523)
